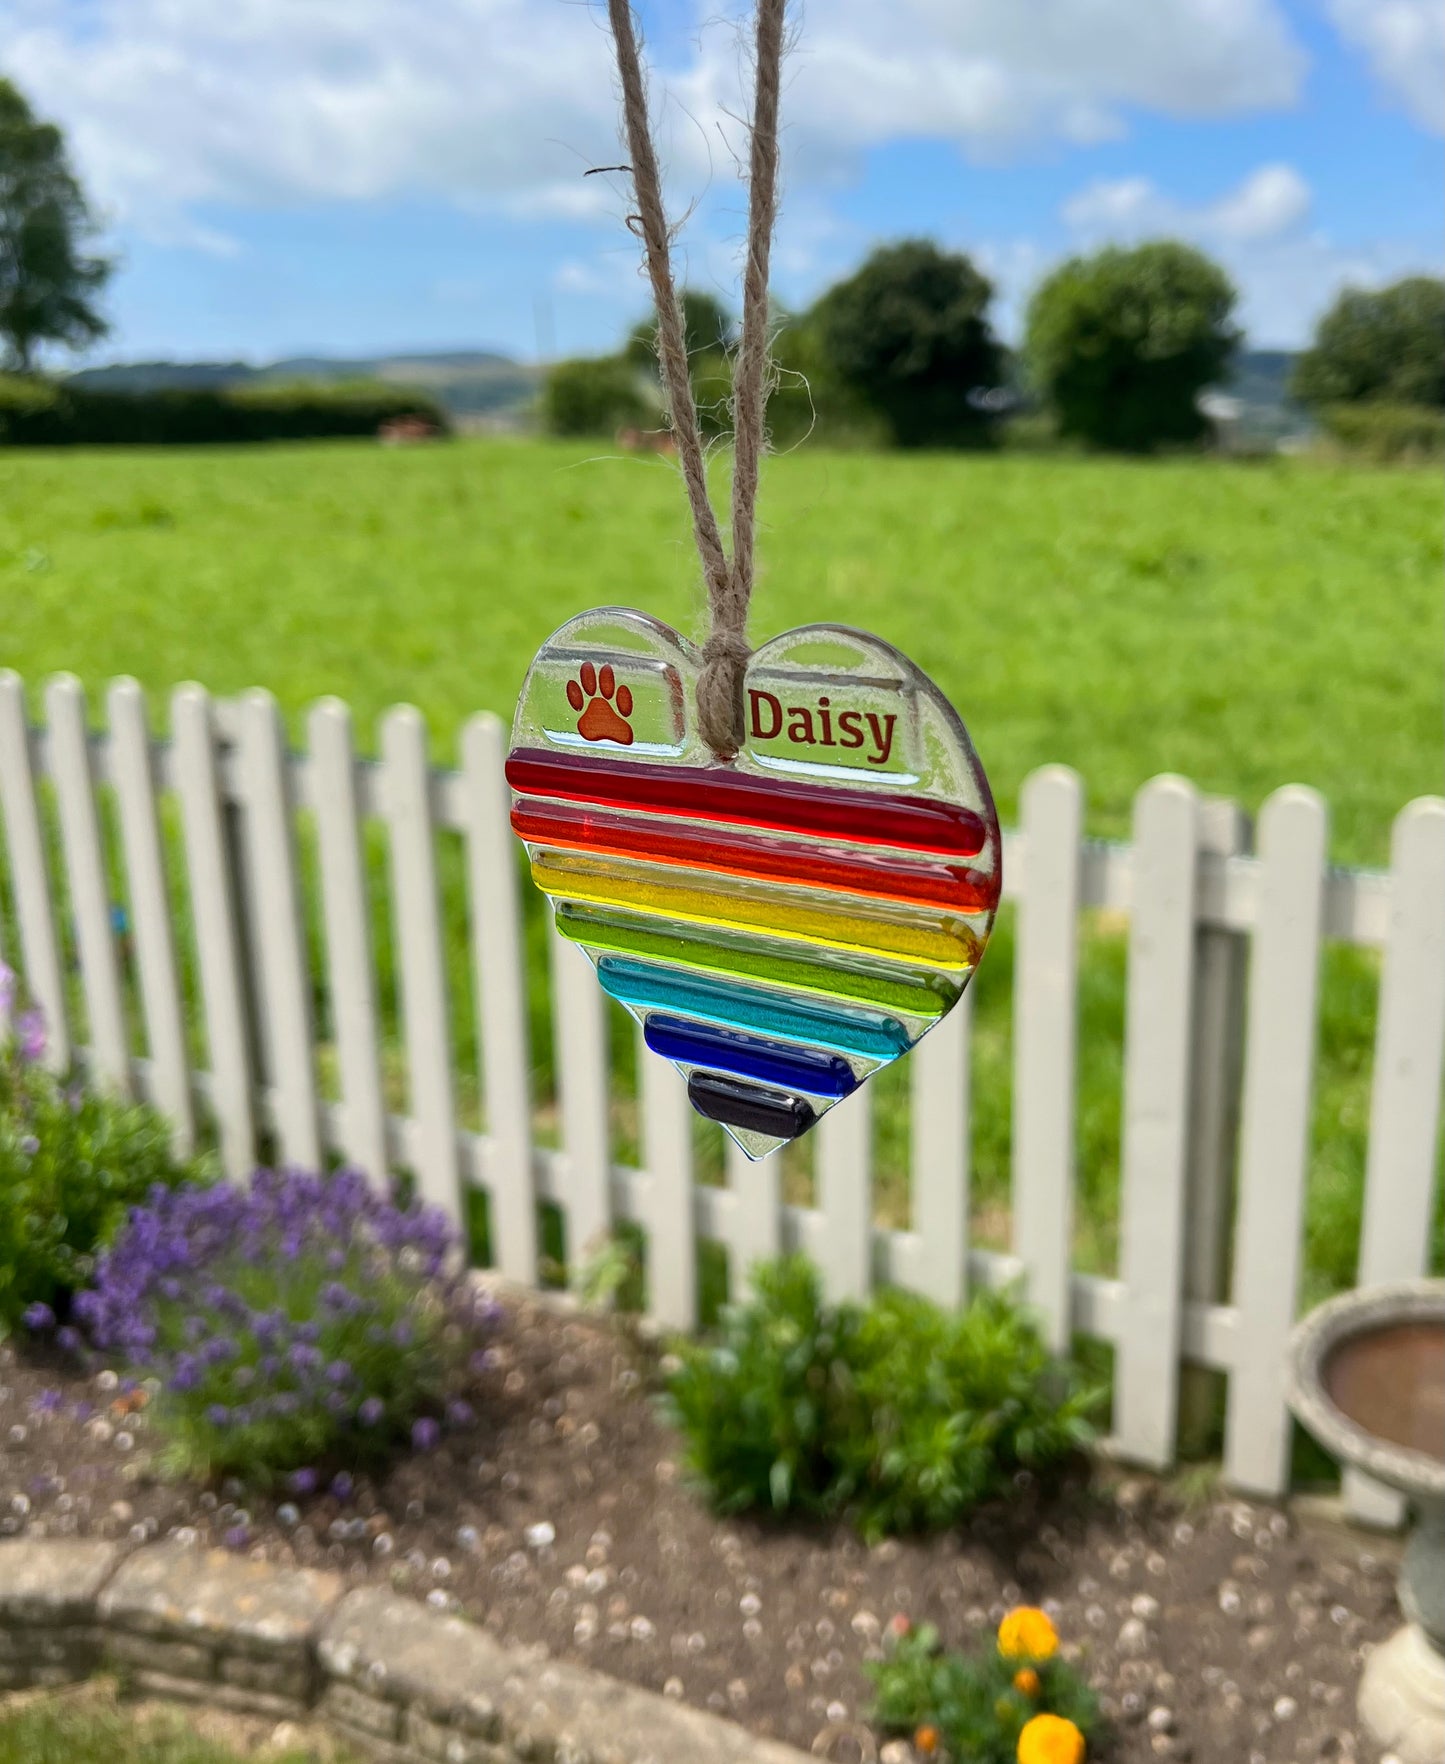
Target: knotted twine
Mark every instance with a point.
(729, 581)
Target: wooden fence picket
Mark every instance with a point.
(579, 1045)
(844, 1139)
(1158, 1043)
(1274, 1133)
(84, 851)
(1405, 1099)
(756, 1220)
(1046, 981)
(284, 981)
(667, 1151)
(150, 910)
(499, 959)
(420, 959)
(210, 880)
(940, 1155)
(345, 910)
(29, 874)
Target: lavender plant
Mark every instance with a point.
(71, 1163)
(303, 1319)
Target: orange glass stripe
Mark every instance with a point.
(575, 827)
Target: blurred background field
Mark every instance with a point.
(1246, 624)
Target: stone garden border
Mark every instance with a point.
(408, 1684)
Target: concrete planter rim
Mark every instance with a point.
(1416, 1474)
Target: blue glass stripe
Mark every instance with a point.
(646, 985)
(749, 1056)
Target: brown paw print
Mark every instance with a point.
(593, 694)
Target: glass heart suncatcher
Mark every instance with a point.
(781, 925)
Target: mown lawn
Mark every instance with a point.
(88, 1727)
(1247, 624)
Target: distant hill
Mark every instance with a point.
(474, 384)
(1268, 416)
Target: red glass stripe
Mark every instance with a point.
(715, 793)
(573, 827)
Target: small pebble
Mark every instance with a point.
(540, 1535)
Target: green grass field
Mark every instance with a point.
(1247, 624)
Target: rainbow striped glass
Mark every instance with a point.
(781, 925)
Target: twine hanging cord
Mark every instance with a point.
(729, 581)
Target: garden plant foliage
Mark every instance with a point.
(1006, 1704)
(899, 1413)
(302, 1320)
(71, 1164)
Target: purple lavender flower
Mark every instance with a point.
(67, 1338)
(425, 1434)
(38, 1317)
(30, 1035)
(7, 989)
(47, 1402)
(237, 1537)
(342, 1485)
(297, 1265)
(460, 1413)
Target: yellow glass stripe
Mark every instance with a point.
(796, 921)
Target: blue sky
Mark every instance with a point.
(350, 176)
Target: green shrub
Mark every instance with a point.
(597, 396)
(1386, 432)
(71, 1165)
(902, 1414)
(973, 1710)
(44, 413)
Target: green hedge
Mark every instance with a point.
(47, 413)
(1386, 432)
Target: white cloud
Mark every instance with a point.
(1405, 43)
(1272, 200)
(503, 104)
(1286, 271)
(993, 74)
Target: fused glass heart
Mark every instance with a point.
(784, 924)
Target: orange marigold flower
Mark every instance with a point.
(1026, 1681)
(926, 1739)
(1049, 1739)
(1027, 1634)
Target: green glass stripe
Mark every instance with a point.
(923, 997)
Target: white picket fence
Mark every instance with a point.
(1223, 961)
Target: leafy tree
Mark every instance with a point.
(595, 396)
(1122, 343)
(909, 334)
(1386, 346)
(47, 282)
(708, 327)
(709, 332)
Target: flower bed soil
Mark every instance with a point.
(1230, 1634)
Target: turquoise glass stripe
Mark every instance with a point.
(646, 986)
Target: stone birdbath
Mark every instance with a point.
(1367, 1378)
